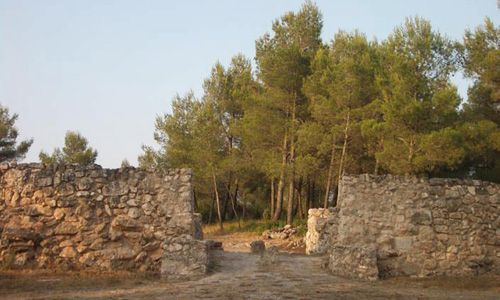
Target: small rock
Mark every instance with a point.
(65, 243)
(126, 223)
(132, 202)
(141, 256)
(50, 202)
(134, 213)
(67, 228)
(214, 245)
(68, 252)
(81, 247)
(159, 235)
(257, 247)
(82, 194)
(107, 210)
(97, 244)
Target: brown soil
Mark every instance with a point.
(241, 275)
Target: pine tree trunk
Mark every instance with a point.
(335, 195)
(195, 200)
(224, 206)
(289, 212)
(308, 196)
(344, 147)
(210, 216)
(300, 208)
(272, 197)
(291, 189)
(217, 200)
(230, 213)
(233, 203)
(330, 174)
(411, 154)
(377, 163)
(281, 181)
(313, 194)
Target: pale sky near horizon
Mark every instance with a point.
(107, 68)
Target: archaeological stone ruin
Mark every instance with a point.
(387, 226)
(67, 217)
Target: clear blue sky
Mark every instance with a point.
(107, 68)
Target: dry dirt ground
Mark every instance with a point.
(241, 275)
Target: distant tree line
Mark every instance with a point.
(277, 138)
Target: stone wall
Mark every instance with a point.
(391, 226)
(71, 218)
(321, 226)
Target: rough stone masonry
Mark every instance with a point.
(322, 224)
(68, 217)
(394, 225)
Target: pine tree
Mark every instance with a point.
(418, 102)
(481, 64)
(75, 151)
(283, 61)
(10, 149)
(481, 113)
(125, 164)
(341, 85)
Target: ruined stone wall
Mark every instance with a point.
(321, 227)
(389, 226)
(71, 217)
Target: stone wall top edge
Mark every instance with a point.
(416, 179)
(58, 167)
(321, 210)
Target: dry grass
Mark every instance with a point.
(251, 227)
(230, 227)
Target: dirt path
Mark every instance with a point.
(240, 242)
(241, 275)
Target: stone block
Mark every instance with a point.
(354, 262)
(403, 243)
(184, 257)
(321, 224)
(115, 188)
(126, 223)
(67, 228)
(423, 217)
(68, 252)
